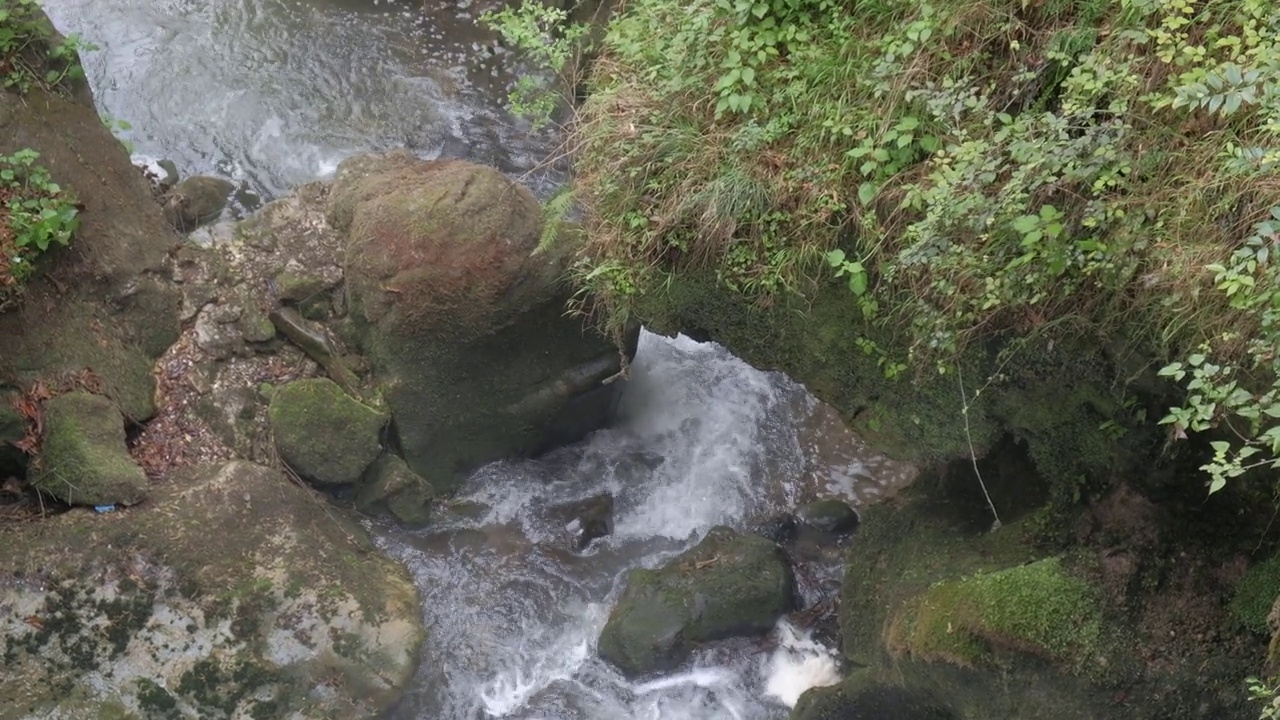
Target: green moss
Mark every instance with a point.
(1037, 608)
(1255, 595)
(324, 434)
(83, 456)
(154, 699)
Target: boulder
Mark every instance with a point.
(729, 585)
(874, 702)
(587, 519)
(233, 595)
(83, 458)
(104, 304)
(195, 201)
(829, 515)
(397, 488)
(462, 318)
(324, 434)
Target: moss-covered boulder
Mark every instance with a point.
(233, 595)
(857, 701)
(83, 458)
(463, 319)
(324, 434)
(392, 485)
(106, 303)
(1037, 608)
(828, 515)
(729, 585)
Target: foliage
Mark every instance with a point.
(1267, 693)
(969, 169)
(35, 214)
(31, 54)
(549, 42)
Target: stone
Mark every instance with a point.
(873, 702)
(233, 594)
(462, 320)
(780, 528)
(729, 585)
(397, 488)
(195, 201)
(83, 458)
(324, 434)
(587, 519)
(829, 515)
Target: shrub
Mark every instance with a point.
(35, 214)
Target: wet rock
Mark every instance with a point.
(84, 460)
(829, 515)
(232, 595)
(462, 321)
(587, 519)
(195, 201)
(162, 174)
(780, 528)
(729, 585)
(324, 434)
(876, 702)
(400, 490)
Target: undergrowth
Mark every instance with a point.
(972, 168)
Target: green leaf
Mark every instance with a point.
(1026, 223)
(835, 258)
(1217, 484)
(1220, 447)
(866, 192)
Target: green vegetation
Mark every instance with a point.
(1037, 608)
(1255, 595)
(1068, 168)
(35, 214)
(31, 53)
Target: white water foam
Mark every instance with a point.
(797, 664)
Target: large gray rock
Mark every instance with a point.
(83, 458)
(463, 320)
(195, 201)
(324, 434)
(233, 595)
(729, 585)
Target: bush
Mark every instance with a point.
(35, 214)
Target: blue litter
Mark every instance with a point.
(103, 508)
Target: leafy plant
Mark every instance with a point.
(31, 54)
(1268, 694)
(35, 214)
(550, 43)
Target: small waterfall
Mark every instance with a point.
(513, 613)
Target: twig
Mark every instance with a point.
(973, 455)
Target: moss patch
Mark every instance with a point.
(1255, 595)
(324, 434)
(1037, 608)
(83, 456)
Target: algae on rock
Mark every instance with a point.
(323, 433)
(83, 458)
(728, 585)
(140, 613)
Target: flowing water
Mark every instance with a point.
(702, 439)
(275, 93)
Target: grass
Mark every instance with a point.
(1037, 608)
(920, 138)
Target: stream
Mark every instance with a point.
(274, 93)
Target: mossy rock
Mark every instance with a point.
(397, 488)
(728, 585)
(462, 319)
(1037, 608)
(196, 200)
(232, 594)
(1255, 595)
(324, 434)
(83, 458)
(855, 700)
